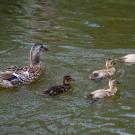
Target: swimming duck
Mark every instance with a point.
(15, 76)
(108, 72)
(128, 59)
(102, 93)
(59, 89)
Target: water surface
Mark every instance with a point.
(80, 35)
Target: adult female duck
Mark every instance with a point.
(15, 76)
(102, 93)
(128, 59)
(109, 71)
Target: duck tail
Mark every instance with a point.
(5, 75)
(46, 93)
(89, 96)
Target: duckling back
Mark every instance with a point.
(55, 90)
(101, 93)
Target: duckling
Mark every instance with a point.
(102, 93)
(128, 59)
(108, 72)
(15, 75)
(59, 89)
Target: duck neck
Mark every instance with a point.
(67, 85)
(111, 69)
(108, 67)
(35, 59)
(113, 90)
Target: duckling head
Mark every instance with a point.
(110, 63)
(67, 80)
(35, 53)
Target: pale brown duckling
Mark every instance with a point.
(102, 93)
(59, 89)
(103, 73)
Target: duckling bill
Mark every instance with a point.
(59, 89)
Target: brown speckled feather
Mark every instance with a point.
(14, 76)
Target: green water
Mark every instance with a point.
(81, 34)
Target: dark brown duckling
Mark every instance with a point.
(59, 89)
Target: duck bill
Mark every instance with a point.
(45, 48)
(72, 79)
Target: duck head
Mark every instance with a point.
(67, 80)
(35, 53)
(110, 63)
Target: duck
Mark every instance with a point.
(102, 93)
(16, 75)
(128, 59)
(59, 89)
(103, 73)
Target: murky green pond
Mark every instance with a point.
(80, 35)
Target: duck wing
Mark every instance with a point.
(99, 74)
(16, 69)
(15, 73)
(101, 93)
(11, 68)
(55, 90)
(4, 75)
